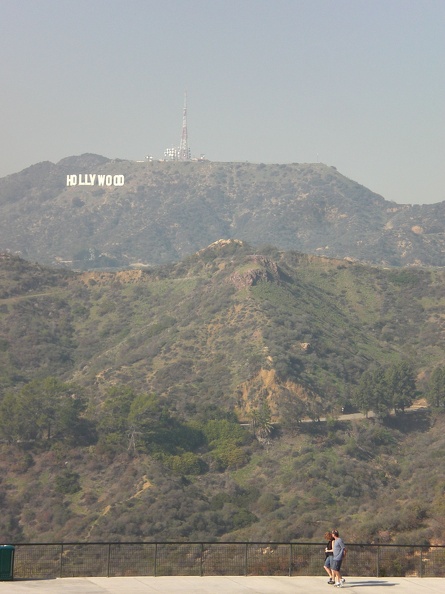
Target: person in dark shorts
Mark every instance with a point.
(339, 552)
(328, 553)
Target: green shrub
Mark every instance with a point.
(68, 483)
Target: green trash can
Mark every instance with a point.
(6, 562)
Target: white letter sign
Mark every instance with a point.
(92, 179)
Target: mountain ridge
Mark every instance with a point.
(168, 210)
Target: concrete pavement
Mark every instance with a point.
(220, 585)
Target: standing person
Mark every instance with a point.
(339, 552)
(328, 553)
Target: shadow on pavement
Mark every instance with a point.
(369, 583)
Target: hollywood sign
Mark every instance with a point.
(93, 179)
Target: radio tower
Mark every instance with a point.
(184, 151)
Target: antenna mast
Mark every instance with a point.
(184, 151)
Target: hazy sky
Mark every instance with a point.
(358, 84)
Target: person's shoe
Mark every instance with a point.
(338, 585)
(342, 580)
(331, 581)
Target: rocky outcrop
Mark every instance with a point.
(262, 269)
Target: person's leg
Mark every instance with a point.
(340, 577)
(328, 566)
(336, 571)
(339, 581)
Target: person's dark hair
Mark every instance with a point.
(335, 532)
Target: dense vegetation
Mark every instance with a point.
(203, 400)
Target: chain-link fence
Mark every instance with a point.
(43, 560)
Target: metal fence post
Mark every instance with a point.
(290, 559)
(156, 559)
(378, 561)
(202, 559)
(61, 560)
(245, 559)
(421, 562)
(108, 560)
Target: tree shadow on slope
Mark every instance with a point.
(413, 421)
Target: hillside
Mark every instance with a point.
(122, 393)
(165, 211)
(303, 319)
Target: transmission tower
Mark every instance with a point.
(184, 151)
